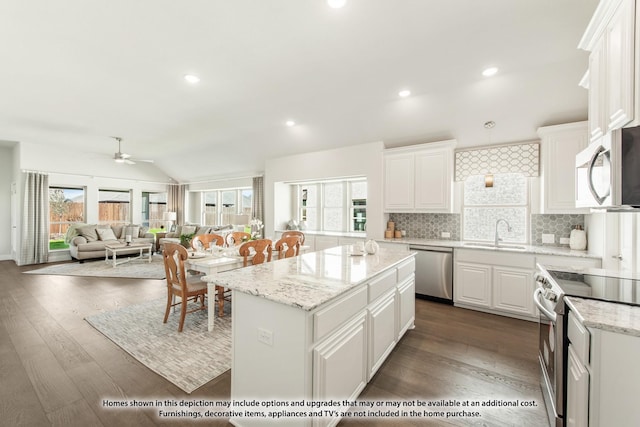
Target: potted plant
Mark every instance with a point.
(185, 239)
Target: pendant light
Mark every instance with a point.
(488, 177)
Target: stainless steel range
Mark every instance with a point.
(553, 284)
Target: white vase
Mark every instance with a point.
(371, 246)
(578, 239)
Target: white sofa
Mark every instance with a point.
(87, 241)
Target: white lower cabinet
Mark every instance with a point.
(513, 290)
(405, 306)
(472, 284)
(577, 414)
(382, 330)
(339, 366)
(603, 375)
(496, 282)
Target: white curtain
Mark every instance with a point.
(35, 223)
(257, 204)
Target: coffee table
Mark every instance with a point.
(120, 248)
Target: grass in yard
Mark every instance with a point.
(57, 244)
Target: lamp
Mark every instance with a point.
(169, 217)
(239, 220)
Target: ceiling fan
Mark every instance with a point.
(121, 157)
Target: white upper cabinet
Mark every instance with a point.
(419, 178)
(559, 146)
(398, 181)
(610, 37)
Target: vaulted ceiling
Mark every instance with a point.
(74, 73)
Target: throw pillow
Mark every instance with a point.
(188, 229)
(106, 234)
(88, 232)
(143, 230)
(133, 230)
(117, 230)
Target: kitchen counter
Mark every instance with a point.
(456, 244)
(311, 279)
(607, 316)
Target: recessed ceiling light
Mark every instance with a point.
(404, 93)
(191, 78)
(290, 123)
(336, 4)
(488, 72)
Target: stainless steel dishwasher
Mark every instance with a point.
(434, 273)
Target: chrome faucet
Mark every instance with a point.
(509, 229)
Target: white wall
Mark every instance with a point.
(357, 160)
(6, 177)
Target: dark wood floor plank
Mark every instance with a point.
(52, 385)
(19, 404)
(75, 414)
(97, 387)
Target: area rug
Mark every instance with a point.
(188, 359)
(136, 269)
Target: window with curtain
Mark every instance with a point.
(66, 206)
(483, 206)
(114, 207)
(336, 205)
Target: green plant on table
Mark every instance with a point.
(185, 239)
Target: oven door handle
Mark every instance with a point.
(536, 299)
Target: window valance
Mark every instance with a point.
(513, 158)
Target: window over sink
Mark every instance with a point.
(507, 199)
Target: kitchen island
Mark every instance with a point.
(313, 330)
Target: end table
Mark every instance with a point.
(159, 236)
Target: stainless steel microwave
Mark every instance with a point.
(608, 171)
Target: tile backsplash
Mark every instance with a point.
(427, 226)
(431, 226)
(559, 225)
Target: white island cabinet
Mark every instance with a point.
(315, 328)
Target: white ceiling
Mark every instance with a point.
(75, 72)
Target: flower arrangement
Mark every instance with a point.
(256, 228)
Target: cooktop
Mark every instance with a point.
(614, 286)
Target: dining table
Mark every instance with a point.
(210, 263)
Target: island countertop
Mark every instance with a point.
(312, 279)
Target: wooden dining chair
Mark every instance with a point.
(296, 233)
(179, 285)
(288, 247)
(236, 238)
(206, 240)
(259, 247)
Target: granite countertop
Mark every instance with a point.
(456, 244)
(605, 315)
(312, 279)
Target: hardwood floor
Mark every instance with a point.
(56, 369)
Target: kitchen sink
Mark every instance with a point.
(490, 246)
